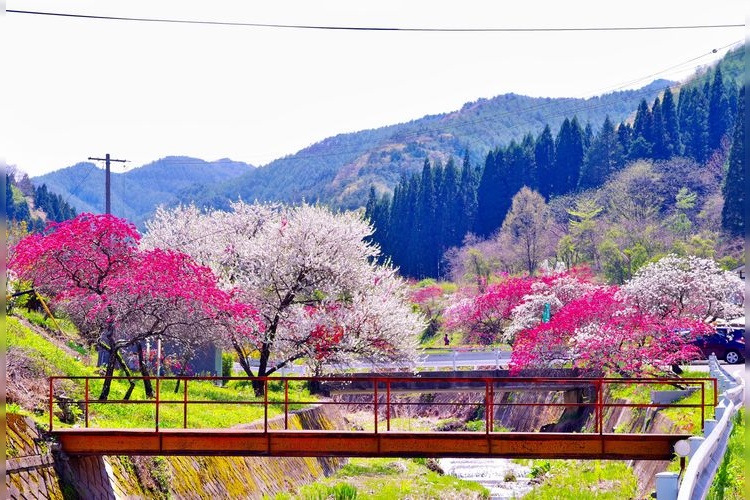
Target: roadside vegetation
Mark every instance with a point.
(390, 479)
(729, 483)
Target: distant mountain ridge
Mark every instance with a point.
(136, 194)
(340, 170)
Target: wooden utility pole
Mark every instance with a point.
(107, 160)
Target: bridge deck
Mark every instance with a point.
(89, 441)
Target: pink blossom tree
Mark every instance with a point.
(599, 330)
(482, 318)
(117, 294)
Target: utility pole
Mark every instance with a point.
(107, 160)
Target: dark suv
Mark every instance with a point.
(726, 342)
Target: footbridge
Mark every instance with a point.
(172, 421)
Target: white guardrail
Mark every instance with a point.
(706, 453)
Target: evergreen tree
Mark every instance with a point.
(734, 210)
(10, 205)
(625, 137)
(642, 144)
(719, 113)
(544, 159)
(529, 174)
(425, 242)
(467, 195)
(448, 208)
(489, 203)
(568, 156)
(603, 157)
(671, 124)
(660, 150)
(694, 123)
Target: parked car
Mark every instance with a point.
(726, 343)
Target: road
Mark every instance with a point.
(475, 358)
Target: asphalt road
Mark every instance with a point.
(468, 358)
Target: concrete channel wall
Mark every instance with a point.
(33, 470)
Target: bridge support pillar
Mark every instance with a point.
(667, 485)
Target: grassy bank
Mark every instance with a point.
(38, 357)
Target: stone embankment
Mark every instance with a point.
(33, 470)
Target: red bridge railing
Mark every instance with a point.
(379, 393)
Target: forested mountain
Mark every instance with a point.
(340, 170)
(136, 193)
(683, 138)
(31, 205)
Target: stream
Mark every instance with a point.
(504, 478)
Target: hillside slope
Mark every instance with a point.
(340, 170)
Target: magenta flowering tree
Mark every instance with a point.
(599, 330)
(119, 295)
(482, 318)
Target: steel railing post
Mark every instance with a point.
(158, 393)
(286, 404)
(86, 403)
(265, 405)
(375, 385)
(185, 403)
(599, 406)
(50, 403)
(388, 404)
(487, 407)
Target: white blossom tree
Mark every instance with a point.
(689, 287)
(310, 273)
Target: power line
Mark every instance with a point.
(379, 28)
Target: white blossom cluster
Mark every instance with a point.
(310, 273)
(686, 287)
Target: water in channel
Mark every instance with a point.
(504, 478)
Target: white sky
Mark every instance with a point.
(74, 88)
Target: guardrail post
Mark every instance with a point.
(695, 442)
(719, 411)
(497, 359)
(455, 354)
(708, 426)
(667, 485)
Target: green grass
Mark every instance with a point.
(579, 479)
(390, 479)
(729, 482)
(218, 406)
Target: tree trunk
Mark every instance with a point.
(108, 376)
(125, 368)
(259, 385)
(144, 371)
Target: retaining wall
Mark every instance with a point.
(35, 471)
